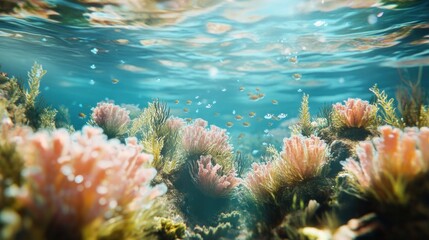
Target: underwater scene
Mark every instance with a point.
(214, 119)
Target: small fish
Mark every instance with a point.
(268, 116)
(188, 120)
(257, 89)
(254, 97)
(293, 59)
(188, 102)
(176, 101)
(275, 102)
(297, 76)
(229, 124)
(82, 115)
(186, 110)
(115, 80)
(241, 88)
(282, 115)
(241, 135)
(252, 114)
(238, 117)
(246, 124)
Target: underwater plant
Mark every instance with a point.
(209, 178)
(355, 119)
(77, 183)
(384, 172)
(304, 126)
(160, 135)
(112, 118)
(301, 158)
(388, 110)
(198, 140)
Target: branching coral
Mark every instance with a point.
(384, 172)
(198, 140)
(76, 182)
(111, 118)
(210, 181)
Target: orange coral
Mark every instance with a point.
(74, 180)
(302, 158)
(397, 159)
(355, 113)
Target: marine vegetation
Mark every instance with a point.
(207, 178)
(412, 109)
(82, 186)
(294, 174)
(304, 126)
(391, 180)
(160, 135)
(198, 141)
(383, 173)
(24, 106)
(355, 119)
(112, 118)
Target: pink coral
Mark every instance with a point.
(208, 179)
(302, 158)
(354, 113)
(112, 118)
(76, 179)
(198, 140)
(398, 158)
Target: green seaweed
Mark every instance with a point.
(303, 126)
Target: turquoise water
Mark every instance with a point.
(217, 54)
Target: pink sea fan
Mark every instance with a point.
(175, 124)
(198, 140)
(355, 113)
(398, 157)
(112, 118)
(208, 179)
(302, 158)
(76, 179)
